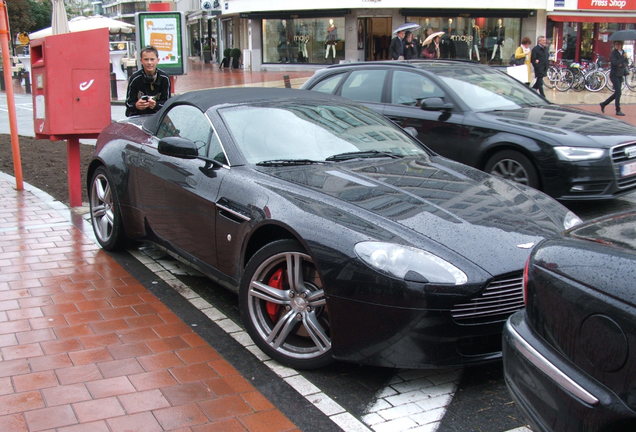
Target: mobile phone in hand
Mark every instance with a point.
(145, 98)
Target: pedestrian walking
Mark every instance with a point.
(539, 59)
(411, 47)
(618, 69)
(396, 49)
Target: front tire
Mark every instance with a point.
(564, 81)
(283, 306)
(595, 81)
(105, 211)
(512, 165)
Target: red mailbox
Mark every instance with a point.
(71, 84)
(70, 77)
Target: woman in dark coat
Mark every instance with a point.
(411, 47)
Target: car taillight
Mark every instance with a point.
(525, 282)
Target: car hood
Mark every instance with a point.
(449, 203)
(616, 230)
(566, 125)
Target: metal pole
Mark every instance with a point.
(13, 124)
(73, 174)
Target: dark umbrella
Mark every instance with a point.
(623, 35)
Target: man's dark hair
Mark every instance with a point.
(149, 49)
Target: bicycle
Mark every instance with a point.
(594, 79)
(554, 70)
(578, 77)
(630, 79)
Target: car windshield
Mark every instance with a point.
(489, 90)
(309, 132)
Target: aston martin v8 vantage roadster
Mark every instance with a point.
(343, 235)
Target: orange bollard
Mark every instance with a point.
(13, 123)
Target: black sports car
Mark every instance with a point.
(480, 116)
(570, 357)
(344, 236)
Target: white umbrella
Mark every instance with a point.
(59, 20)
(82, 23)
(406, 26)
(432, 36)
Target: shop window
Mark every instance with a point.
(486, 40)
(316, 40)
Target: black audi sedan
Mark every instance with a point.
(570, 356)
(344, 237)
(484, 118)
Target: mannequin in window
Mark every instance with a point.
(302, 37)
(499, 34)
(332, 39)
(476, 42)
(283, 42)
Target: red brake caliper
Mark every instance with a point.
(275, 281)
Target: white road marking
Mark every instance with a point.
(413, 400)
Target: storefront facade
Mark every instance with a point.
(580, 29)
(274, 36)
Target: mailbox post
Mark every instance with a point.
(71, 93)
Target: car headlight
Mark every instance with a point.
(571, 220)
(578, 153)
(398, 261)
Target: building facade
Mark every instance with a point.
(580, 29)
(284, 35)
(278, 34)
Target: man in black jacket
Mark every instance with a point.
(619, 68)
(396, 49)
(149, 87)
(539, 59)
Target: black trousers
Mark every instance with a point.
(617, 82)
(538, 84)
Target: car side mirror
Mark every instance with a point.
(436, 104)
(178, 147)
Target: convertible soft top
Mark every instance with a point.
(204, 99)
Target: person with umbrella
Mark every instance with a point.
(432, 45)
(396, 49)
(411, 47)
(618, 69)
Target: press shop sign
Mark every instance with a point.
(613, 5)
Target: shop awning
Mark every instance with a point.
(310, 13)
(592, 17)
(197, 15)
(467, 13)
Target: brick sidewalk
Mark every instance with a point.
(86, 347)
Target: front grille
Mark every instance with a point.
(620, 157)
(502, 297)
